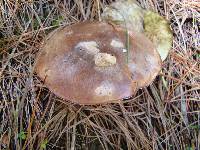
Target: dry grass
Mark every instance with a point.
(165, 115)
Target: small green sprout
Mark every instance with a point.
(44, 144)
(57, 21)
(22, 135)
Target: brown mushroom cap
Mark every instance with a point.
(87, 63)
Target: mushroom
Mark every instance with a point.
(91, 63)
(125, 13)
(128, 14)
(157, 29)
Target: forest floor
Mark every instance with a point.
(163, 116)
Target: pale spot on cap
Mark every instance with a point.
(124, 50)
(116, 43)
(91, 47)
(105, 89)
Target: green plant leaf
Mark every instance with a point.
(22, 135)
(198, 55)
(194, 127)
(44, 144)
(189, 148)
(57, 21)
